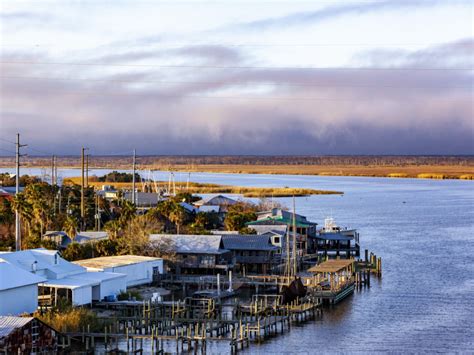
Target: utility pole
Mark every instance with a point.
(87, 170)
(17, 191)
(54, 171)
(133, 177)
(83, 209)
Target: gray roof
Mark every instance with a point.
(216, 200)
(191, 244)
(248, 242)
(81, 237)
(9, 323)
(270, 228)
(144, 198)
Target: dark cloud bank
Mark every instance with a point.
(303, 111)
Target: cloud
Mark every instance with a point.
(332, 12)
(210, 54)
(245, 110)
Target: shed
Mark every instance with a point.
(139, 270)
(61, 278)
(26, 335)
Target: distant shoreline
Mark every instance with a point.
(421, 167)
(455, 172)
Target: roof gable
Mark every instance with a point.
(12, 276)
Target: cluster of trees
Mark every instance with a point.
(43, 207)
(10, 179)
(116, 176)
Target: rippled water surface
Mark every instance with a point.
(424, 232)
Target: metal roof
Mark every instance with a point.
(81, 237)
(105, 262)
(70, 283)
(12, 276)
(191, 244)
(216, 200)
(334, 265)
(9, 323)
(99, 276)
(47, 261)
(248, 242)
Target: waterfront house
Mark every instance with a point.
(18, 290)
(195, 254)
(63, 279)
(139, 270)
(26, 335)
(334, 241)
(280, 219)
(252, 253)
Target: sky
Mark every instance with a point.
(237, 77)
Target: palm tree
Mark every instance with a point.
(114, 227)
(25, 210)
(70, 227)
(128, 212)
(177, 216)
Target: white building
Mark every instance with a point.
(18, 290)
(140, 270)
(62, 279)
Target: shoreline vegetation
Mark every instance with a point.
(200, 188)
(422, 167)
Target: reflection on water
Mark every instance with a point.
(423, 230)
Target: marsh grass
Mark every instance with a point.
(201, 188)
(71, 319)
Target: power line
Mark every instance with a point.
(306, 84)
(171, 45)
(236, 67)
(39, 151)
(8, 151)
(7, 141)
